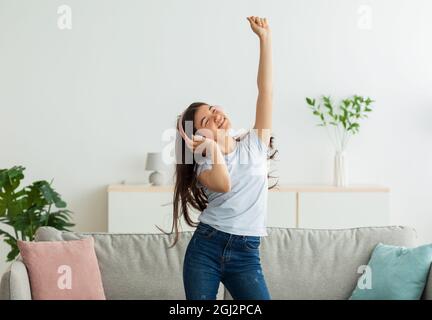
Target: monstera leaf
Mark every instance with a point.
(28, 209)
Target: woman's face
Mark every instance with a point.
(211, 122)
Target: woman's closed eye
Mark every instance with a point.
(206, 121)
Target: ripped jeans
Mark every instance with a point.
(214, 256)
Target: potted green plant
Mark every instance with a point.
(345, 121)
(25, 210)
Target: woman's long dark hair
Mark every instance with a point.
(186, 191)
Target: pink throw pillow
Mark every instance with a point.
(63, 270)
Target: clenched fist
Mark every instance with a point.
(260, 26)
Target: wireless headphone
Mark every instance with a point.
(183, 133)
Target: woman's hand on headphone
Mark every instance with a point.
(260, 26)
(200, 143)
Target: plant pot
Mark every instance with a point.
(340, 169)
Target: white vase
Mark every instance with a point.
(340, 169)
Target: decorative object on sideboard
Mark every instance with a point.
(344, 120)
(28, 209)
(155, 163)
(272, 153)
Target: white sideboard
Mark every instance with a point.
(139, 208)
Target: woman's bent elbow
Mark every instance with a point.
(225, 187)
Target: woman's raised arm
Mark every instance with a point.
(263, 119)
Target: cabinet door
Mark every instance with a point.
(281, 209)
(337, 210)
(140, 212)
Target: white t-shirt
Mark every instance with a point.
(242, 210)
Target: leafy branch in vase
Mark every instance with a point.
(344, 118)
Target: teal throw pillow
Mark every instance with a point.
(394, 273)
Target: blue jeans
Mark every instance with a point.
(213, 256)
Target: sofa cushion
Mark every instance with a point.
(15, 283)
(297, 263)
(135, 266)
(62, 270)
(395, 273)
(322, 264)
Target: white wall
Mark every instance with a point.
(83, 106)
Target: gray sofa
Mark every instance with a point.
(297, 263)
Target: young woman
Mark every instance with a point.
(227, 180)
